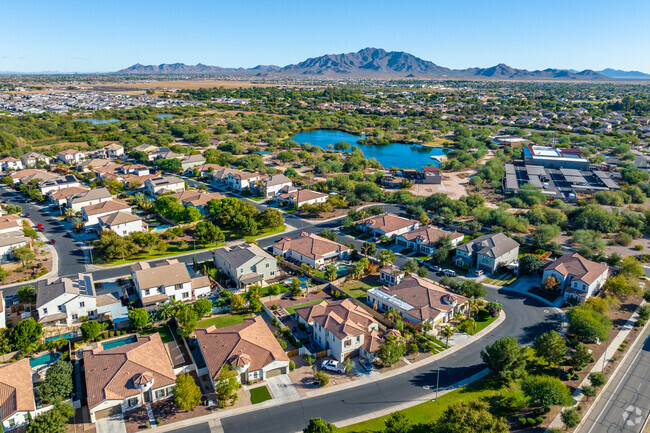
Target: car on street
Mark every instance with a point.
(28, 215)
(333, 365)
(449, 272)
(285, 238)
(436, 268)
(53, 242)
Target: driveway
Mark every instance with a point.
(111, 424)
(281, 388)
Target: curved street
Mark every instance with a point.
(526, 318)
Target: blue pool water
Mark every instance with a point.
(67, 336)
(389, 155)
(120, 342)
(162, 227)
(97, 121)
(164, 116)
(48, 358)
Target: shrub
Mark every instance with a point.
(309, 359)
(530, 421)
(597, 379)
(158, 421)
(322, 378)
(147, 425)
(640, 322)
(522, 421)
(413, 348)
(539, 420)
(292, 365)
(644, 312)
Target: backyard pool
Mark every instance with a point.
(303, 282)
(120, 342)
(67, 336)
(46, 359)
(162, 227)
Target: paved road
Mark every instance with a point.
(526, 318)
(624, 405)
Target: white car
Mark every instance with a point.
(449, 272)
(333, 365)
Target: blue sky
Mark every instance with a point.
(106, 35)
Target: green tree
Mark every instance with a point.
(369, 248)
(187, 394)
(24, 254)
(472, 289)
(446, 332)
(580, 357)
(589, 391)
(226, 383)
(570, 417)
(392, 351)
(58, 382)
(551, 346)
(331, 272)
(27, 294)
(90, 330)
(597, 379)
(270, 218)
(618, 286)
(30, 232)
(26, 334)
(237, 302)
(529, 264)
(138, 318)
(203, 307)
(186, 317)
(546, 391)
(52, 421)
(386, 257)
(397, 422)
(207, 233)
(631, 267)
(145, 240)
(319, 425)
(587, 324)
(505, 358)
(469, 417)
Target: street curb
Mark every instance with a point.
(271, 403)
(53, 273)
(602, 391)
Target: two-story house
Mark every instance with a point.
(17, 396)
(33, 159)
(241, 180)
(64, 301)
(164, 185)
(387, 224)
(190, 161)
(169, 280)
(273, 185)
(9, 164)
(487, 253)
(123, 378)
(70, 156)
(246, 264)
(88, 198)
(302, 197)
(57, 183)
(60, 197)
(339, 326)
(91, 214)
(197, 198)
(391, 275)
(122, 223)
(425, 239)
(311, 249)
(250, 348)
(578, 277)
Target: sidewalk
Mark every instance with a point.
(610, 351)
(272, 403)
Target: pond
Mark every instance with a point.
(120, 342)
(389, 155)
(97, 121)
(164, 116)
(46, 359)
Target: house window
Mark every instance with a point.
(145, 292)
(178, 286)
(133, 402)
(75, 316)
(160, 393)
(170, 390)
(11, 423)
(82, 304)
(186, 295)
(358, 338)
(348, 343)
(44, 311)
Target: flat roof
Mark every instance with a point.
(545, 151)
(510, 169)
(511, 181)
(604, 177)
(535, 170)
(534, 180)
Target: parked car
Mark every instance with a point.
(285, 238)
(436, 268)
(333, 365)
(53, 242)
(366, 364)
(39, 225)
(28, 215)
(478, 272)
(449, 272)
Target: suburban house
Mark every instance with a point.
(70, 156)
(340, 327)
(88, 198)
(204, 170)
(169, 280)
(122, 223)
(60, 197)
(27, 174)
(97, 165)
(10, 223)
(164, 153)
(190, 161)
(137, 169)
(311, 249)
(246, 264)
(250, 348)
(302, 197)
(146, 148)
(57, 183)
(418, 300)
(221, 175)
(197, 198)
(387, 224)
(17, 396)
(10, 241)
(273, 185)
(425, 238)
(9, 164)
(487, 253)
(391, 275)
(122, 378)
(64, 301)
(114, 150)
(578, 277)
(163, 185)
(91, 214)
(32, 159)
(240, 180)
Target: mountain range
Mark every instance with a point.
(379, 63)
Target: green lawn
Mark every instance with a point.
(266, 291)
(356, 288)
(165, 333)
(421, 256)
(428, 411)
(292, 310)
(172, 250)
(265, 232)
(257, 198)
(260, 394)
(483, 320)
(223, 320)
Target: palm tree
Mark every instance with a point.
(68, 212)
(426, 327)
(77, 222)
(472, 305)
(447, 332)
(471, 323)
(166, 310)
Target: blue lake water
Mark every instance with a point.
(97, 121)
(164, 116)
(389, 155)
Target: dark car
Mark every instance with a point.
(53, 242)
(28, 215)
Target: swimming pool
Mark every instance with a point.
(303, 281)
(162, 227)
(120, 342)
(67, 336)
(48, 358)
